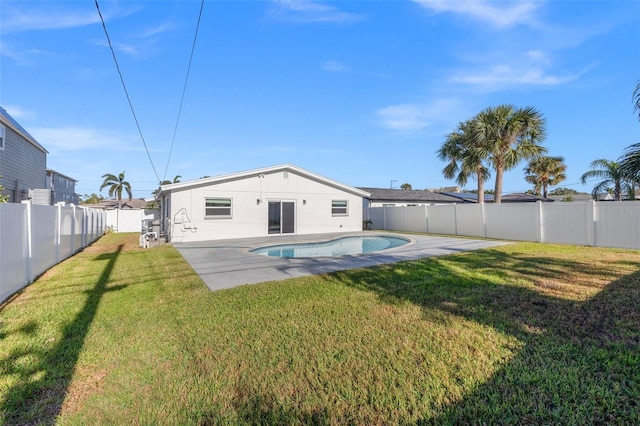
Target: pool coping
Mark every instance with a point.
(335, 237)
(226, 264)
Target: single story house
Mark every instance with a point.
(276, 200)
(381, 197)
(469, 197)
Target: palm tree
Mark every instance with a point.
(545, 171)
(176, 179)
(116, 185)
(630, 161)
(509, 135)
(464, 157)
(611, 174)
(636, 99)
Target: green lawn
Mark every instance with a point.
(524, 333)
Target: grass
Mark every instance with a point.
(524, 333)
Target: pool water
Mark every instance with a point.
(339, 247)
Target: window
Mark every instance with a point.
(339, 208)
(217, 207)
(2, 132)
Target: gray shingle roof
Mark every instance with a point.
(408, 196)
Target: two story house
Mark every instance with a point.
(23, 168)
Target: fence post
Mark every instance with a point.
(482, 217)
(540, 223)
(73, 229)
(594, 222)
(426, 218)
(29, 259)
(58, 230)
(85, 226)
(455, 218)
(404, 218)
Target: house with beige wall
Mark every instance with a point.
(270, 201)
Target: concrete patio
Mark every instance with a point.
(228, 263)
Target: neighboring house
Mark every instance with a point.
(469, 197)
(521, 197)
(577, 197)
(381, 197)
(63, 188)
(23, 161)
(134, 203)
(277, 200)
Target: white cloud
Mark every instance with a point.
(500, 14)
(415, 116)
(18, 113)
(531, 68)
(42, 17)
(336, 66)
(505, 76)
(310, 11)
(72, 138)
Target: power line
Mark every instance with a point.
(126, 92)
(184, 89)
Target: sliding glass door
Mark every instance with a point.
(282, 217)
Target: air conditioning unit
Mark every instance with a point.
(40, 196)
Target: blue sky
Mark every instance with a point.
(363, 92)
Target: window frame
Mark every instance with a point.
(228, 215)
(336, 210)
(3, 136)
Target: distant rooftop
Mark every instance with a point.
(408, 196)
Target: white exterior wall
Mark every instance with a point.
(249, 218)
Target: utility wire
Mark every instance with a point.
(126, 92)
(184, 90)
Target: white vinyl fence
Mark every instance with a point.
(129, 220)
(33, 238)
(600, 224)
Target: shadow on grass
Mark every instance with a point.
(255, 407)
(580, 360)
(40, 388)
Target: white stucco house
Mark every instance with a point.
(276, 200)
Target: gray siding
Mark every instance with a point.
(64, 189)
(22, 166)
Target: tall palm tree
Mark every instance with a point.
(545, 171)
(465, 159)
(630, 161)
(116, 185)
(509, 135)
(611, 174)
(636, 99)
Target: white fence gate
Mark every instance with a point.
(33, 238)
(600, 224)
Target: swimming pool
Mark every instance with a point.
(339, 247)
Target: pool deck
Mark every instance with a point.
(228, 263)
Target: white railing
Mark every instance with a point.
(33, 238)
(600, 224)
